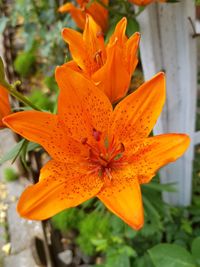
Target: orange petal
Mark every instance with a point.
(122, 196)
(131, 48)
(141, 2)
(4, 104)
(81, 105)
(46, 129)
(76, 46)
(135, 116)
(73, 65)
(94, 43)
(77, 14)
(61, 186)
(113, 78)
(99, 14)
(119, 33)
(150, 154)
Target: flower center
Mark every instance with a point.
(104, 156)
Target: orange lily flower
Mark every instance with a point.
(97, 10)
(4, 104)
(110, 67)
(95, 150)
(145, 2)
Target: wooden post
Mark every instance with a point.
(167, 44)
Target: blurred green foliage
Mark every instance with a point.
(99, 231)
(10, 175)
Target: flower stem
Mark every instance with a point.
(11, 88)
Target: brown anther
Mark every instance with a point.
(96, 134)
(122, 147)
(84, 140)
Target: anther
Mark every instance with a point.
(97, 134)
(98, 58)
(122, 147)
(84, 141)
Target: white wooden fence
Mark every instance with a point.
(167, 44)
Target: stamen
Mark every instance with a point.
(101, 156)
(98, 58)
(122, 147)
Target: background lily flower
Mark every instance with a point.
(4, 104)
(109, 66)
(96, 151)
(145, 2)
(97, 10)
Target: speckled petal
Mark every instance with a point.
(81, 105)
(122, 196)
(147, 156)
(61, 186)
(135, 116)
(46, 129)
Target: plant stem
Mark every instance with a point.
(13, 91)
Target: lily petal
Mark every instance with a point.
(81, 105)
(94, 43)
(119, 33)
(141, 2)
(4, 104)
(77, 14)
(61, 186)
(46, 129)
(135, 116)
(112, 79)
(99, 13)
(131, 51)
(77, 47)
(122, 196)
(147, 156)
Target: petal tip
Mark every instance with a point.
(161, 74)
(137, 225)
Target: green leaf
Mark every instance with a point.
(161, 187)
(14, 152)
(26, 59)
(171, 255)
(196, 249)
(132, 26)
(115, 258)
